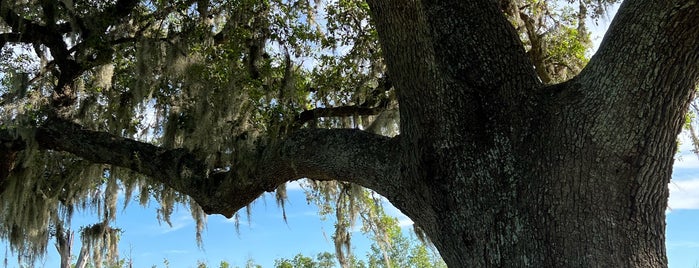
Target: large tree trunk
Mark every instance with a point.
(497, 168)
(512, 173)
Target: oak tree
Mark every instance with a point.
(481, 120)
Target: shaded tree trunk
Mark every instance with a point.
(83, 256)
(64, 245)
(497, 168)
(511, 173)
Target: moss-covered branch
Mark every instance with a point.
(323, 154)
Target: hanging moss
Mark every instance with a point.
(221, 80)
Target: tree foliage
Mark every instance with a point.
(209, 91)
(215, 77)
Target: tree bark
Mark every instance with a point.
(498, 169)
(64, 245)
(511, 173)
(322, 154)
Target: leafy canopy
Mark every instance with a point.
(221, 79)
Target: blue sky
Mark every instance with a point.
(264, 238)
(267, 237)
(682, 233)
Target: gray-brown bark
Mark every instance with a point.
(572, 175)
(497, 169)
(64, 245)
(322, 154)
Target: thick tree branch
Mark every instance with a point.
(646, 35)
(322, 154)
(111, 15)
(475, 44)
(12, 38)
(536, 52)
(464, 54)
(652, 48)
(36, 33)
(629, 102)
(48, 36)
(9, 146)
(342, 111)
(51, 35)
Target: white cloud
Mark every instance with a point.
(176, 251)
(684, 187)
(392, 211)
(686, 161)
(294, 185)
(405, 221)
(685, 157)
(683, 244)
(684, 194)
(180, 221)
(599, 27)
(685, 153)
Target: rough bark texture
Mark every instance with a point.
(498, 169)
(516, 174)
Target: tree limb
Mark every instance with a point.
(9, 146)
(652, 48)
(63, 95)
(645, 34)
(536, 52)
(475, 44)
(36, 33)
(12, 38)
(322, 154)
(99, 22)
(342, 111)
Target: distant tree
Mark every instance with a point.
(299, 261)
(403, 251)
(251, 264)
(325, 260)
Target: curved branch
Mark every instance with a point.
(48, 36)
(36, 33)
(652, 48)
(12, 38)
(323, 154)
(342, 111)
(9, 146)
(646, 35)
(537, 50)
(99, 22)
(475, 44)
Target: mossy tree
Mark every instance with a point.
(483, 121)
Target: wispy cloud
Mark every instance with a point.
(686, 161)
(405, 221)
(686, 158)
(683, 244)
(179, 221)
(684, 187)
(684, 194)
(294, 186)
(176, 251)
(146, 254)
